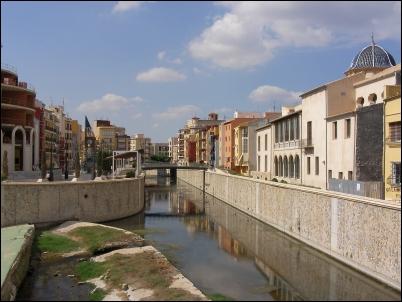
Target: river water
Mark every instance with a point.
(224, 251)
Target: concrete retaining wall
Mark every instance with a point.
(92, 201)
(362, 232)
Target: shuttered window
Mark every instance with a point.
(395, 131)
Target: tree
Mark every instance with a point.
(43, 165)
(103, 164)
(4, 173)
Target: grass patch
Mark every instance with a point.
(49, 242)
(219, 297)
(97, 295)
(88, 269)
(96, 237)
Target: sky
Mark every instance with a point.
(149, 66)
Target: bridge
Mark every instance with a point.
(173, 169)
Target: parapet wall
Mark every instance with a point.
(362, 232)
(92, 201)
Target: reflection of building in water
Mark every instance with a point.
(277, 287)
(180, 205)
(230, 245)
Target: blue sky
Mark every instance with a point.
(159, 63)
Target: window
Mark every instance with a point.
(329, 174)
(334, 130)
(396, 173)
(308, 165)
(297, 127)
(266, 163)
(286, 130)
(258, 163)
(340, 175)
(309, 133)
(297, 167)
(350, 175)
(259, 143)
(245, 140)
(347, 128)
(317, 165)
(395, 132)
(266, 142)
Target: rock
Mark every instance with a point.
(81, 282)
(71, 276)
(124, 286)
(56, 274)
(81, 259)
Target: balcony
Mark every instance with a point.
(16, 121)
(24, 85)
(23, 103)
(9, 68)
(393, 141)
(394, 181)
(307, 143)
(287, 144)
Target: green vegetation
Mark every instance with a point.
(95, 237)
(219, 297)
(97, 295)
(49, 242)
(274, 179)
(89, 269)
(160, 158)
(103, 165)
(284, 181)
(130, 174)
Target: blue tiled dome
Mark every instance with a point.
(372, 56)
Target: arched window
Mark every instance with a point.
(291, 167)
(285, 166)
(297, 167)
(280, 166)
(359, 102)
(276, 166)
(19, 150)
(372, 98)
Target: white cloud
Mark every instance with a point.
(156, 125)
(160, 74)
(123, 6)
(177, 112)
(251, 33)
(271, 94)
(176, 61)
(108, 102)
(161, 55)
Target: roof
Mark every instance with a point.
(127, 154)
(382, 74)
(372, 56)
(286, 116)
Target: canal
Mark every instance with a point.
(225, 252)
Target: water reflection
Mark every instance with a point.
(223, 250)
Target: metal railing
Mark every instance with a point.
(9, 67)
(394, 181)
(393, 140)
(287, 144)
(307, 143)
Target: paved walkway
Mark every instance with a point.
(12, 240)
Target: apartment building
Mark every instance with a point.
(160, 149)
(19, 131)
(173, 143)
(286, 145)
(139, 142)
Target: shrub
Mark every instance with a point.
(284, 181)
(130, 174)
(274, 179)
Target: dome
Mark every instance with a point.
(372, 56)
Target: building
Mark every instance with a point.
(173, 143)
(188, 139)
(228, 139)
(19, 130)
(245, 146)
(76, 141)
(159, 149)
(122, 142)
(141, 143)
(392, 143)
(286, 146)
(51, 138)
(105, 135)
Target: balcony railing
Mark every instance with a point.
(23, 103)
(9, 68)
(394, 181)
(24, 85)
(287, 144)
(307, 143)
(393, 141)
(16, 121)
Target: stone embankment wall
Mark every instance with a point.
(50, 202)
(362, 232)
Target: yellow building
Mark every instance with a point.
(392, 143)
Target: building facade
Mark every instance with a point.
(392, 143)
(141, 143)
(19, 130)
